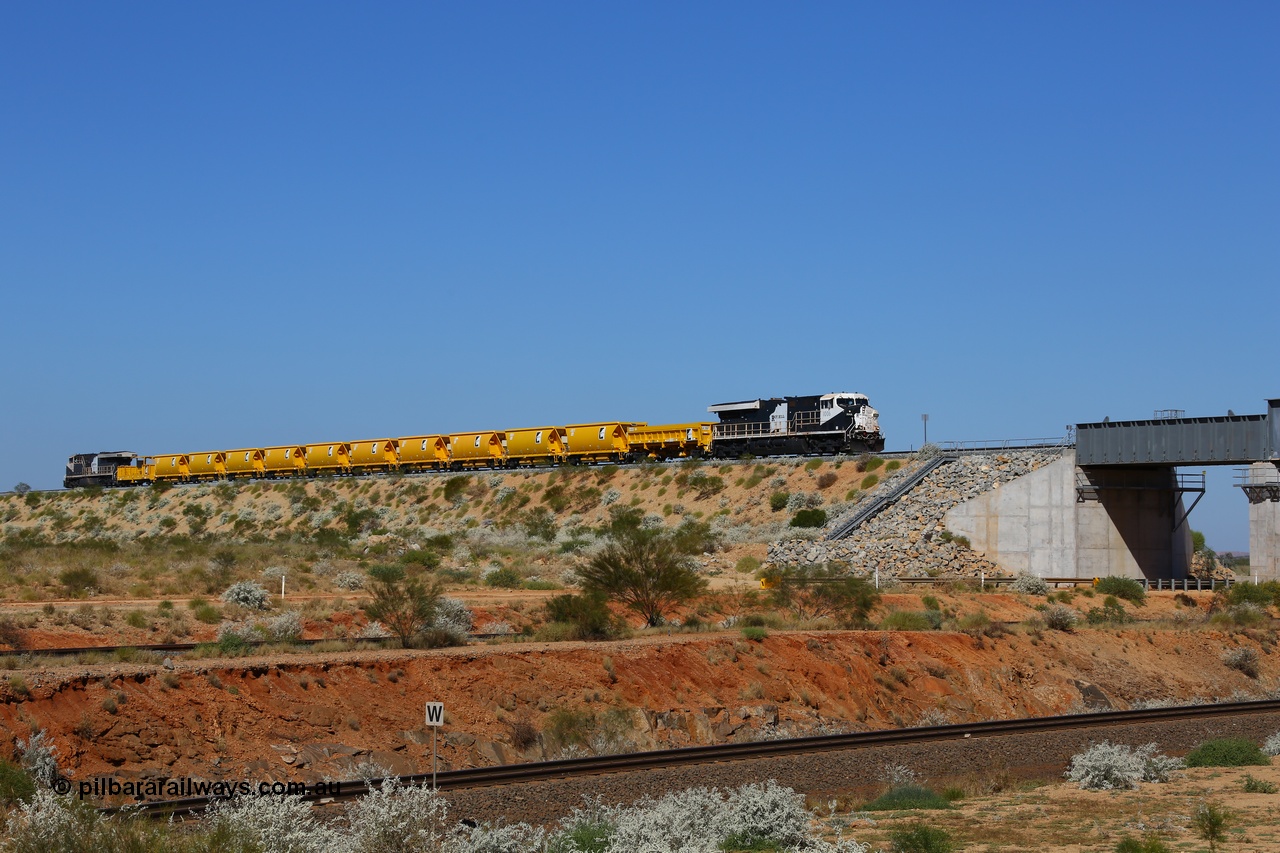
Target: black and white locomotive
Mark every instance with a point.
(826, 423)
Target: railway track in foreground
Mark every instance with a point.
(514, 774)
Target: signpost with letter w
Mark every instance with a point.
(435, 719)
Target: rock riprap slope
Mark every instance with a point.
(909, 537)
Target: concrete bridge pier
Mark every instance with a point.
(1064, 521)
(1262, 487)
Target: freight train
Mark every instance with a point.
(816, 424)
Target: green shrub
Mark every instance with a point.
(1150, 844)
(1111, 612)
(921, 839)
(905, 797)
(1258, 786)
(78, 582)
(778, 501)
(906, 620)
(1227, 752)
(747, 564)
(1261, 594)
(809, 518)
(504, 577)
(1247, 615)
(208, 614)
(587, 616)
(16, 785)
(870, 481)
(892, 465)
(754, 633)
(136, 619)
(1126, 588)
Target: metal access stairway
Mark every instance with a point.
(874, 506)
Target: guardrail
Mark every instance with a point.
(1007, 444)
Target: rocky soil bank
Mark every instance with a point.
(308, 717)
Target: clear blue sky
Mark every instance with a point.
(241, 224)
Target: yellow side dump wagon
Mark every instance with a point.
(478, 450)
(535, 445)
(670, 441)
(596, 442)
(333, 457)
(284, 460)
(171, 467)
(209, 465)
(424, 452)
(377, 454)
(137, 474)
(245, 462)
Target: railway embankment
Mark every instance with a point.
(910, 537)
(311, 716)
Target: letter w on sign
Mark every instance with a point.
(435, 713)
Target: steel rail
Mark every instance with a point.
(688, 756)
(178, 648)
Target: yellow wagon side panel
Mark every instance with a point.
(474, 449)
(376, 453)
(329, 457)
(596, 442)
(209, 465)
(535, 444)
(245, 462)
(424, 452)
(284, 459)
(172, 466)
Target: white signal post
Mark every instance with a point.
(435, 719)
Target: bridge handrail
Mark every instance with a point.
(1007, 443)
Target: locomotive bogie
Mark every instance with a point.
(535, 446)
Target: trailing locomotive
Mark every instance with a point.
(830, 423)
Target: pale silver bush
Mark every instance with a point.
(1107, 766)
(374, 630)
(1271, 746)
(1059, 617)
(48, 821)
(245, 631)
(285, 627)
(453, 617)
(249, 594)
(285, 824)
(349, 580)
(494, 838)
(1029, 584)
(396, 818)
(40, 758)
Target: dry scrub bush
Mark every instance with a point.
(1029, 584)
(1106, 766)
(1242, 659)
(1059, 617)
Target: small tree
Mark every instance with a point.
(21, 489)
(1211, 823)
(814, 592)
(406, 607)
(646, 573)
